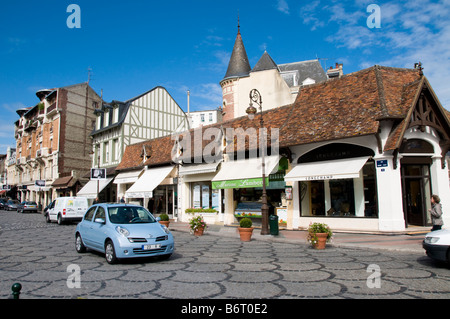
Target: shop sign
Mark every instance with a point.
(318, 178)
(382, 163)
(239, 183)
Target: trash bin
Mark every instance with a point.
(273, 224)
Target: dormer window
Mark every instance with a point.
(146, 152)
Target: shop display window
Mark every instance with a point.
(336, 198)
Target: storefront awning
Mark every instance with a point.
(198, 169)
(127, 177)
(144, 186)
(244, 173)
(90, 189)
(326, 170)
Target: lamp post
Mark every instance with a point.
(255, 97)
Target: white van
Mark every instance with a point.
(67, 209)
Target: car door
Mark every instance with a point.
(85, 227)
(98, 229)
(52, 212)
(80, 207)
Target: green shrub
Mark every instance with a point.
(164, 217)
(245, 223)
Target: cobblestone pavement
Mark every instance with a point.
(38, 255)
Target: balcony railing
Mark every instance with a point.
(51, 108)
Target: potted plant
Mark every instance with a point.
(197, 225)
(245, 229)
(164, 220)
(319, 234)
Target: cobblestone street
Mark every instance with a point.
(37, 255)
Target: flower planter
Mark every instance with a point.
(199, 231)
(245, 233)
(321, 241)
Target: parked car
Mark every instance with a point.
(123, 231)
(437, 245)
(2, 203)
(67, 209)
(12, 204)
(27, 206)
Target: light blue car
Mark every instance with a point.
(123, 231)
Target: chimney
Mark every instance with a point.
(336, 72)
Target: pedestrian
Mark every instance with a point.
(122, 200)
(436, 213)
(151, 205)
(96, 200)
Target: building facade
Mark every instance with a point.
(47, 150)
(362, 152)
(150, 115)
(279, 84)
(207, 117)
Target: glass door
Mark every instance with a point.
(416, 194)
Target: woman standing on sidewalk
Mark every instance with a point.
(436, 213)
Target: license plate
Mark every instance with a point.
(149, 247)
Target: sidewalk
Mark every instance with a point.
(406, 242)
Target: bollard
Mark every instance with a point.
(16, 290)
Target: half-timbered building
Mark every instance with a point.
(148, 116)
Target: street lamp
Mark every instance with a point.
(255, 97)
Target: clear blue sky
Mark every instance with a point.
(135, 45)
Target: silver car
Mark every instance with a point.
(27, 207)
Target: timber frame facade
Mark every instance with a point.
(150, 115)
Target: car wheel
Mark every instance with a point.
(60, 220)
(110, 253)
(448, 255)
(47, 218)
(79, 246)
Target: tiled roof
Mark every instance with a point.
(238, 66)
(160, 154)
(347, 107)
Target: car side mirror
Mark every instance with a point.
(158, 219)
(100, 220)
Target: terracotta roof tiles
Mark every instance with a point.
(341, 108)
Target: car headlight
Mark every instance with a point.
(431, 240)
(166, 230)
(123, 231)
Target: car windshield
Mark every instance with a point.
(129, 215)
(13, 202)
(30, 203)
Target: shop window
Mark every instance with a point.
(370, 190)
(342, 196)
(339, 198)
(202, 195)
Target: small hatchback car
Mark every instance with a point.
(123, 231)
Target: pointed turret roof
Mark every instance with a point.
(265, 63)
(238, 66)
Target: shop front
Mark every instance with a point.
(156, 190)
(197, 194)
(336, 182)
(241, 182)
(101, 189)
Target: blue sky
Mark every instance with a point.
(135, 45)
